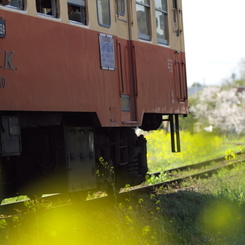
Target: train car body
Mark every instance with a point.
(76, 78)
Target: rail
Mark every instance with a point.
(14, 208)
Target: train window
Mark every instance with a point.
(77, 11)
(103, 11)
(47, 7)
(143, 19)
(120, 5)
(175, 16)
(19, 4)
(161, 21)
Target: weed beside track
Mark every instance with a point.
(209, 211)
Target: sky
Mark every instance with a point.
(214, 39)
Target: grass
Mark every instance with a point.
(230, 158)
(206, 211)
(195, 148)
(209, 211)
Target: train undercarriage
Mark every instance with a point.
(43, 153)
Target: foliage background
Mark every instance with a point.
(224, 109)
(194, 148)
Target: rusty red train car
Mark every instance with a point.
(76, 78)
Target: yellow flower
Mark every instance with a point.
(140, 200)
(145, 230)
(152, 196)
(158, 208)
(130, 208)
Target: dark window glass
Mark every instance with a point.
(161, 4)
(175, 18)
(143, 19)
(103, 11)
(19, 4)
(147, 2)
(120, 5)
(48, 7)
(161, 21)
(77, 11)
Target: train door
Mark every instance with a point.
(125, 64)
(178, 45)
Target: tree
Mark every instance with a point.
(197, 84)
(224, 109)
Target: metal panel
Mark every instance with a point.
(80, 159)
(10, 136)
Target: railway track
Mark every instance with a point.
(173, 178)
(197, 166)
(201, 174)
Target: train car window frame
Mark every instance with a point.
(80, 16)
(120, 7)
(16, 4)
(161, 14)
(175, 18)
(47, 8)
(143, 19)
(101, 15)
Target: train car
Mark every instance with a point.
(77, 77)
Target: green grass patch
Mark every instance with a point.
(205, 211)
(209, 211)
(194, 148)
